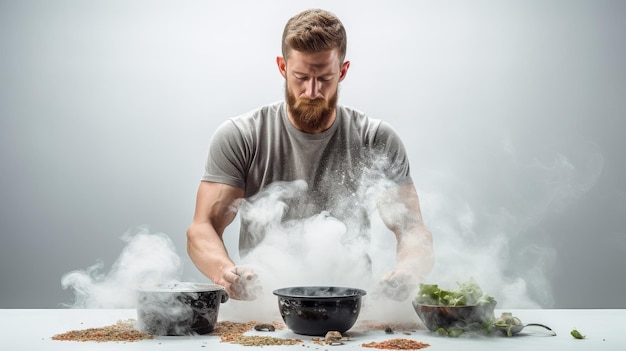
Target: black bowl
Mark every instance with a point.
(316, 310)
(465, 318)
(179, 308)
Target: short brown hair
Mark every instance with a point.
(312, 31)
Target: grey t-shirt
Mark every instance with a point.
(340, 166)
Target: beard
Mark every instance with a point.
(310, 115)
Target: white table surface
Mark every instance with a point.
(32, 329)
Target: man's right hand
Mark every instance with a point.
(242, 283)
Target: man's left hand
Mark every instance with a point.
(397, 285)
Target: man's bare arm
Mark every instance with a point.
(399, 209)
(216, 208)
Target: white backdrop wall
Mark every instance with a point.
(512, 113)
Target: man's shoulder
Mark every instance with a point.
(351, 111)
(260, 118)
(361, 123)
(356, 118)
(263, 112)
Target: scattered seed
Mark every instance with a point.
(397, 344)
(232, 332)
(122, 331)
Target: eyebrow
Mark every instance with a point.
(321, 75)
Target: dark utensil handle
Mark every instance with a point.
(224, 297)
(538, 325)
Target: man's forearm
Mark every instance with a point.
(400, 211)
(207, 251)
(415, 252)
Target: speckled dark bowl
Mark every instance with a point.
(466, 318)
(179, 308)
(316, 310)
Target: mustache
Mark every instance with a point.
(317, 102)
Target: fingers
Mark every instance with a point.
(230, 275)
(397, 285)
(245, 273)
(243, 283)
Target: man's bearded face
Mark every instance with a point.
(310, 115)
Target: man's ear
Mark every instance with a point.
(344, 70)
(282, 66)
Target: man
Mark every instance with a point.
(308, 137)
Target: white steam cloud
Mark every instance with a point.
(502, 247)
(495, 246)
(147, 259)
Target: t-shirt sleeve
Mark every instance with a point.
(226, 158)
(396, 166)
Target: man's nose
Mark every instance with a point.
(312, 89)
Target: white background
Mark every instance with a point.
(512, 113)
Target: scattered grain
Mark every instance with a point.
(263, 341)
(232, 332)
(122, 331)
(397, 344)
